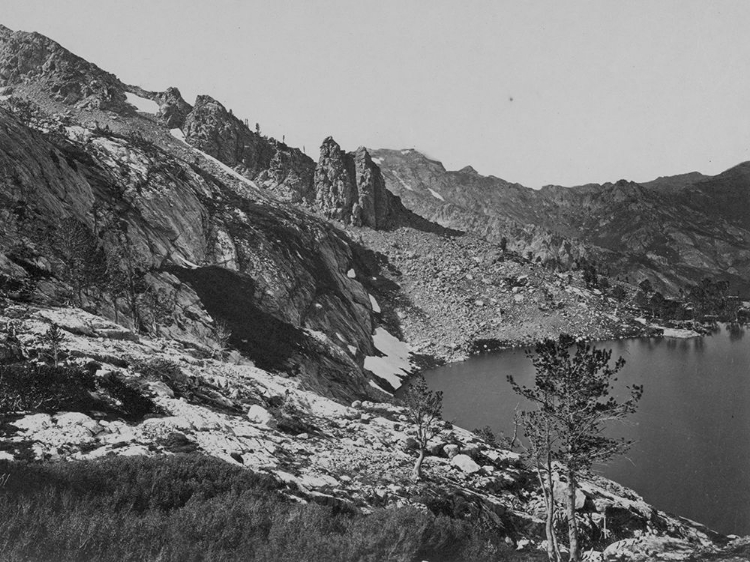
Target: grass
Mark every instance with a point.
(192, 507)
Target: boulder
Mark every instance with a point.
(34, 422)
(260, 416)
(436, 449)
(451, 450)
(561, 495)
(648, 548)
(465, 463)
(161, 389)
(409, 444)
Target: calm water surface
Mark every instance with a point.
(692, 429)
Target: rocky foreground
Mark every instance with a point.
(360, 455)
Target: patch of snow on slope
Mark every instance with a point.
(378, 161)
(351, 274)
(435, 194)
(177, 133)
(395, 364)
(374, 304)
(401, 181)
(406, 151)
(142, 104)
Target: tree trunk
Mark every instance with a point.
(550, 523)
(417, 472)
(572, 525)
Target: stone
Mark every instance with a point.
(436, 449)
(161, 389)
(409, 444)
(259, 415)
(561, 494)
(647, 548)
(465, 463)
(72, 418)
(34, 422)
(318, 481)
(451, 450)
(472, 450)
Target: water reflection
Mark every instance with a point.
(736, 331)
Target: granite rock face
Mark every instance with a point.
(283, 170)
(172, 108)
(349, 187)
(273, 273)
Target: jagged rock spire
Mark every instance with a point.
(349, 187)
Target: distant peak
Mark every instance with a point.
(468, 170)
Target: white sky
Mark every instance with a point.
(535, 92)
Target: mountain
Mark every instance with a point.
(674, 231)
(219, 291)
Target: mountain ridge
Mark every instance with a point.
(311, 273)
(673, 231)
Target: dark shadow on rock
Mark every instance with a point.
(229, 296)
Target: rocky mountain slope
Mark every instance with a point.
(151, 396)
(159, 235)
(673, 231)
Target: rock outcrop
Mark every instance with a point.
(349, 187)
(286, 171)
(172, 108)
(216, 244)
(33, 58)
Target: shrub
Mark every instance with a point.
(190, 508)
(26, 386)
(166, 371)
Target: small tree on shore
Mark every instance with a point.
(424, 409)
(572, 395)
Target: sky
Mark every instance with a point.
(534, 92)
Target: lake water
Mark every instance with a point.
(692, 428)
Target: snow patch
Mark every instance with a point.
(351, 274)
(679, 333)
(401, 181)
(352, 349)
(435, 194)
(143, 105)
(395, 364)
(185, 262)
(178, 134)
(406, 151)
(378, 161)
(374, 304)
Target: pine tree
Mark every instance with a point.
(573, 406)
(424, 410)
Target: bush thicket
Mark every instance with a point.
(190, 508)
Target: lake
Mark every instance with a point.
(692, 428)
